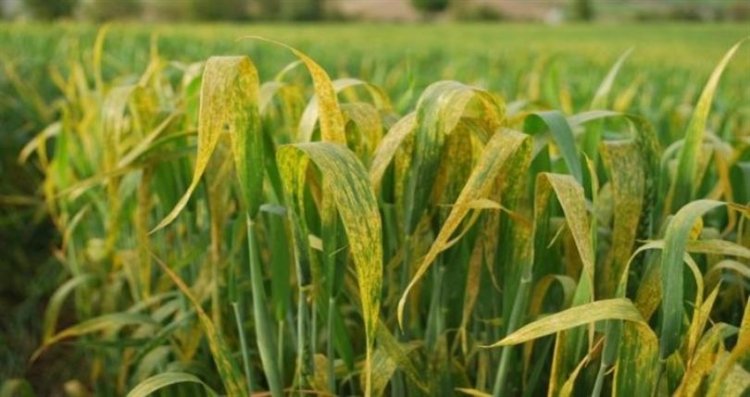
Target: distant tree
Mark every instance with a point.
(738, 11)
(218, 10)
(430, 6)
(160, 10)
(583, 10)
(105, 10)
(268, 9)
(50, 9)
(302, 10)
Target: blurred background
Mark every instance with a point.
(548, 11)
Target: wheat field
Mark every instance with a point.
(252, 223)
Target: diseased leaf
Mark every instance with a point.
(741, 351)
(608, 309)
(329, 112)
(388, 146)
(228, 105)
(628, 186)
(571, 197)
(740, 268)
(567, 388)
(310, 115)
(472, 392)
(699, 362)
(438, 112)
(496, 153)
(637, 367)
(355, 202)
(538, 296)
(389, 356)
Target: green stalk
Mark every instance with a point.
(534, 379)
(329, 348)
(264, 335)
(215, 275)
(433, 320)
(313, 333)
(404, 281)
(399, 383)
(331, 284)
(302, 336)
(599, 381)
(613, 332)
(280, 348)
(519, 305)
(243, 346)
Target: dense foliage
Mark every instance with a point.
(491, 225)
(430, 5)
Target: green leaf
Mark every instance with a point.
(230, 375)
(675, 243)
(685, 182)
(562, 134)
(160, 381)
(593, 133)
(56, 301)
(16, 388)
(104, 322)
(600, 97)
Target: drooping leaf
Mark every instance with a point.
(388, 146)
(160, 381)
(56, 301)
(608, 309)
(329, 112)
(310, 115)
(438, 112)
(228, 105)
(347, 181)
(497, 152)
(103, 322)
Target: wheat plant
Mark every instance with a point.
(225, 235)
